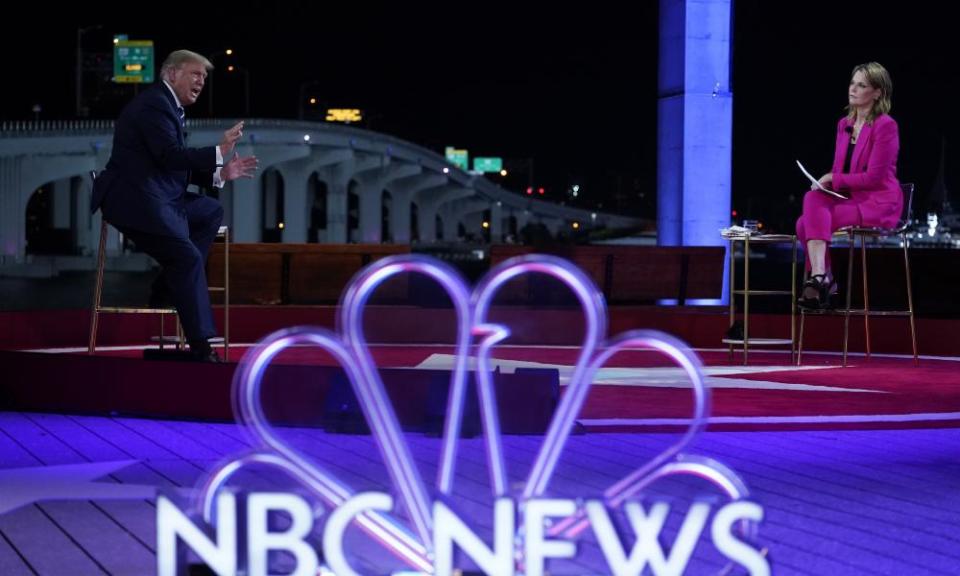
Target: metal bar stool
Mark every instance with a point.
(863, 233)
(224, 233)
(97, 308)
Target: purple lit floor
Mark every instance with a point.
(75, 491)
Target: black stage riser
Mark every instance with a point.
(298, 395)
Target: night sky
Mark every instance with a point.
(571, 93)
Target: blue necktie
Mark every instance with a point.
(182, 116)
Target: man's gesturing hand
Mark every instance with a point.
(239, 167)
(230, 138)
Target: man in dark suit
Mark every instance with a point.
(143, 190)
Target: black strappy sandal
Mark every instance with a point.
(815, 293)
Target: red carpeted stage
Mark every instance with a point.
(47, 369)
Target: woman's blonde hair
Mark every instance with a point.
(879, 79)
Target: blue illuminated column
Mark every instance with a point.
(695, 116)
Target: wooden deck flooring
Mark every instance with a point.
(837, 502)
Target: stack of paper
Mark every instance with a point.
(818, 186)
(737, 232)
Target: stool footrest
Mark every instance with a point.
(134, 310)
(760, 341)
(853, 312)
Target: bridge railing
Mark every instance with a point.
(17, 128)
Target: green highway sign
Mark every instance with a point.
(458, 157)
(492, 164)
(133, 61)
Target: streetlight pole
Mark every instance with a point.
(246, 93)
(246, 86)
(79, 71)
(303, 95)
(228, 52)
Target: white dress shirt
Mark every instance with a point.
(217, 180)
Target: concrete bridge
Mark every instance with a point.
(318, 182)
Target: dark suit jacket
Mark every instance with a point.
(143, 185)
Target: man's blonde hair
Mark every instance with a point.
(178, 58)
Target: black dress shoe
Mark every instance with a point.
(201, 351)
(210, 357)
(735, 331)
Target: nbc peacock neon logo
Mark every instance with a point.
(230, 531)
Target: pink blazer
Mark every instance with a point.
(872, 181)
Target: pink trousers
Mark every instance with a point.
(822, 215)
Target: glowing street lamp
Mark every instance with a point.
(303, 97)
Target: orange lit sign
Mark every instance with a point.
(345, 115)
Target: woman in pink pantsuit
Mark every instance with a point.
(864, 168)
